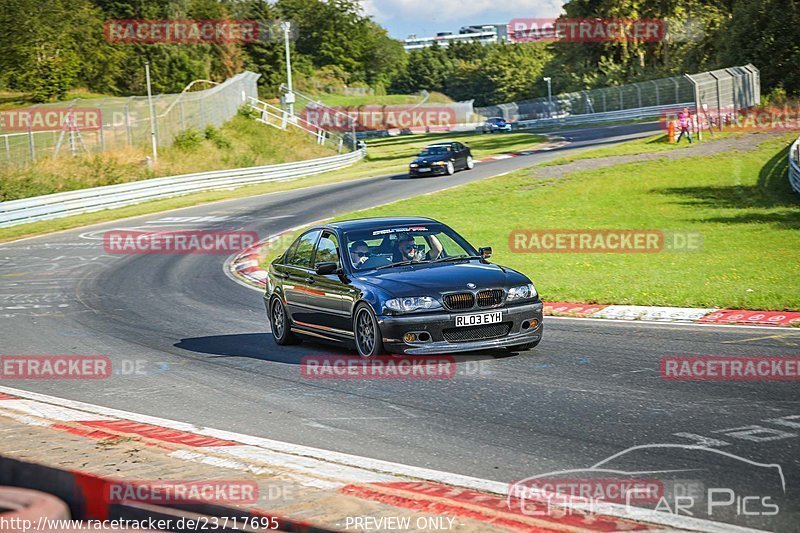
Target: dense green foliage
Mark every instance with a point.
(703, 35)
(52, 46)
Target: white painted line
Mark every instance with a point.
(386, 467)
(245, 264)
(48, 411)
(609, 321)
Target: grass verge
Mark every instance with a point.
(740, 202)
(241, 142)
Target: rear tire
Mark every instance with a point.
(470, 162)
(369, 342)
(279, 324)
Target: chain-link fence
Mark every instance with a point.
(126, 121)
(737, 87)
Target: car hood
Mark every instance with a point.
(436, 279)
(425, 160)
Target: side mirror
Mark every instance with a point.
(485, 252)
(326, 268)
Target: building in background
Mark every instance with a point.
(482, 33)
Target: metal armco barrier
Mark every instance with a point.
(59, 205)
(610, 116)
(794, 165)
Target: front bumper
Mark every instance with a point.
(435, 171)
(393, 328)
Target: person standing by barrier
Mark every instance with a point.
(685, 124)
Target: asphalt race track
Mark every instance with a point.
(205, 356)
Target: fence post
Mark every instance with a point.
(658, 99)
(639, 93)
(621, 103)
(8, 149)
(719, 100)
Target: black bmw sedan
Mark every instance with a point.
(442, 158)
(404, 285)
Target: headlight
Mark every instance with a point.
(439, 163)
(412, 304)
(413, 165)
(523, 292)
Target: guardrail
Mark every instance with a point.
(609, 116)
(794, 165)
(59, 205)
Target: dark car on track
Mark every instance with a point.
(442, 158)
(405, 285)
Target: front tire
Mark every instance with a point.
(279, 324)
(369, 342)
(450, 168)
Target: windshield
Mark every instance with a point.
(392, 246)
(435, 150)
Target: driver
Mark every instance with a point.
(359, 253)
(407, 250)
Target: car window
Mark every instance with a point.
(328, 250)
(435, 150)
(304, 250)
(433, 241)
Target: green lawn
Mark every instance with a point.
(740, 202)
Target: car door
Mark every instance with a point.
(298, 278)
(461, 155)
(326, 292)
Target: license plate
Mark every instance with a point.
(479, 319)
(424, 170)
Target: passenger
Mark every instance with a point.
(359, 253)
